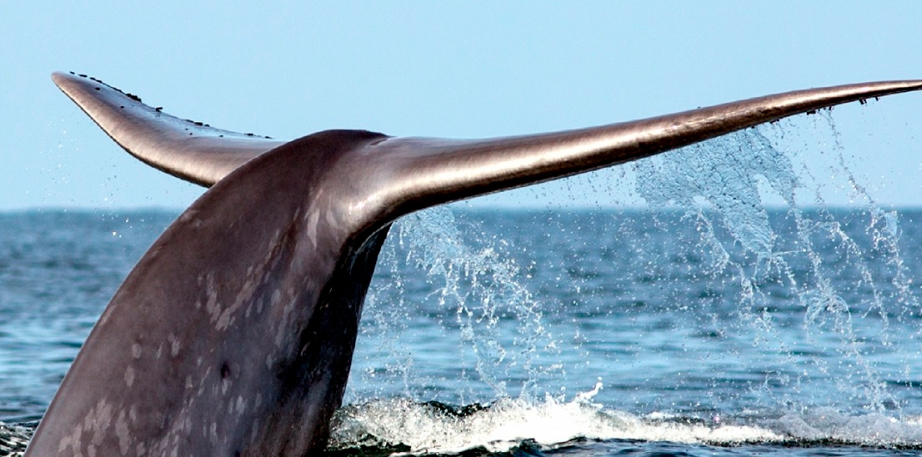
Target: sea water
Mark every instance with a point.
(702, 324)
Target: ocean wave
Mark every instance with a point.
(424, 428)
(401, 426)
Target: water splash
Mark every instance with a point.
(402, 425)
(724, 172)
(481, 284)
(719, 184)
(766, 261)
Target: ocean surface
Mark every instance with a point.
(604, 332)
(705, 324)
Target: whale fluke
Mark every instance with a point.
(199, 153)
(234, 334)
(188, 149)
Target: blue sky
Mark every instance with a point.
(442, 69)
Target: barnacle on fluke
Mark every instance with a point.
(158, 109)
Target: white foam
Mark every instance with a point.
(433, 428)
(871, 429)
(509, 422)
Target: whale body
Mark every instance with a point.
(234, 334)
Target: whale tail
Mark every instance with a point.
(453, 169)
(234, 333)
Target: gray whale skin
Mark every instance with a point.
(234, 334)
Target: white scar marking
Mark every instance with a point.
(312, 220)
(122, 432)
(129, 376)
(174, 344)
